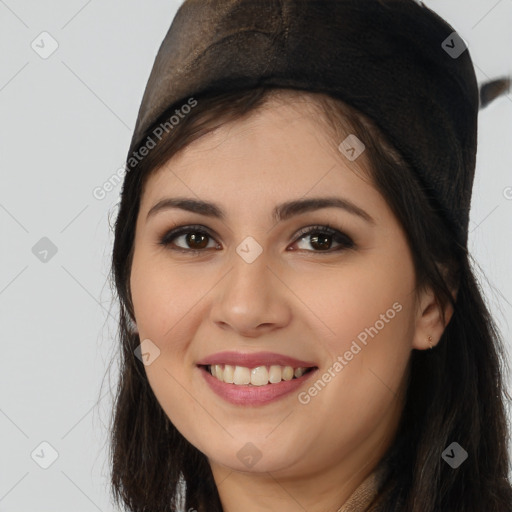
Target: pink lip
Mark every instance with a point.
(248, 395)
(254, 360)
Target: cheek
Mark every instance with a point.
(368, 317)
(162, 296)
(164, 301)
(370, 300)
(182, 405)
(371, 312)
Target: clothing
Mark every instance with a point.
(363, 495)
(396, 61)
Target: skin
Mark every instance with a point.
(306, 303)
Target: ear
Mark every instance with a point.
(429, 319)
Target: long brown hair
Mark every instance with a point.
(455, 391)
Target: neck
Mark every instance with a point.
(325, 490)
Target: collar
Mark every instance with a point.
(367, 490)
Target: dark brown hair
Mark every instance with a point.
(455, 391)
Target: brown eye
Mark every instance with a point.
(322, 237)
(194, 238)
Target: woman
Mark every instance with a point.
(258, 374)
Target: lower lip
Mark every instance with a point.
(254, 395)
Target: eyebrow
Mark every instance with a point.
(280, 213)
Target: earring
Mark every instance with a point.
(430, 341)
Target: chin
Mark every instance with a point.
(255, 456)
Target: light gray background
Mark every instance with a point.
(65, 127)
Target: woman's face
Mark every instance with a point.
(342, 305)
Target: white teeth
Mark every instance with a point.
(259, 376)
(242, 375)
(298, 372)
(229, 373)
(287, 373)
(274, 374)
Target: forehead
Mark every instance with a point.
(285, 144)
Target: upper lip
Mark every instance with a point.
(253, 360)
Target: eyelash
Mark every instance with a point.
(339, 237)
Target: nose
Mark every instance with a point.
(251, 299)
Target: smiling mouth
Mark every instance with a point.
(258, 376)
